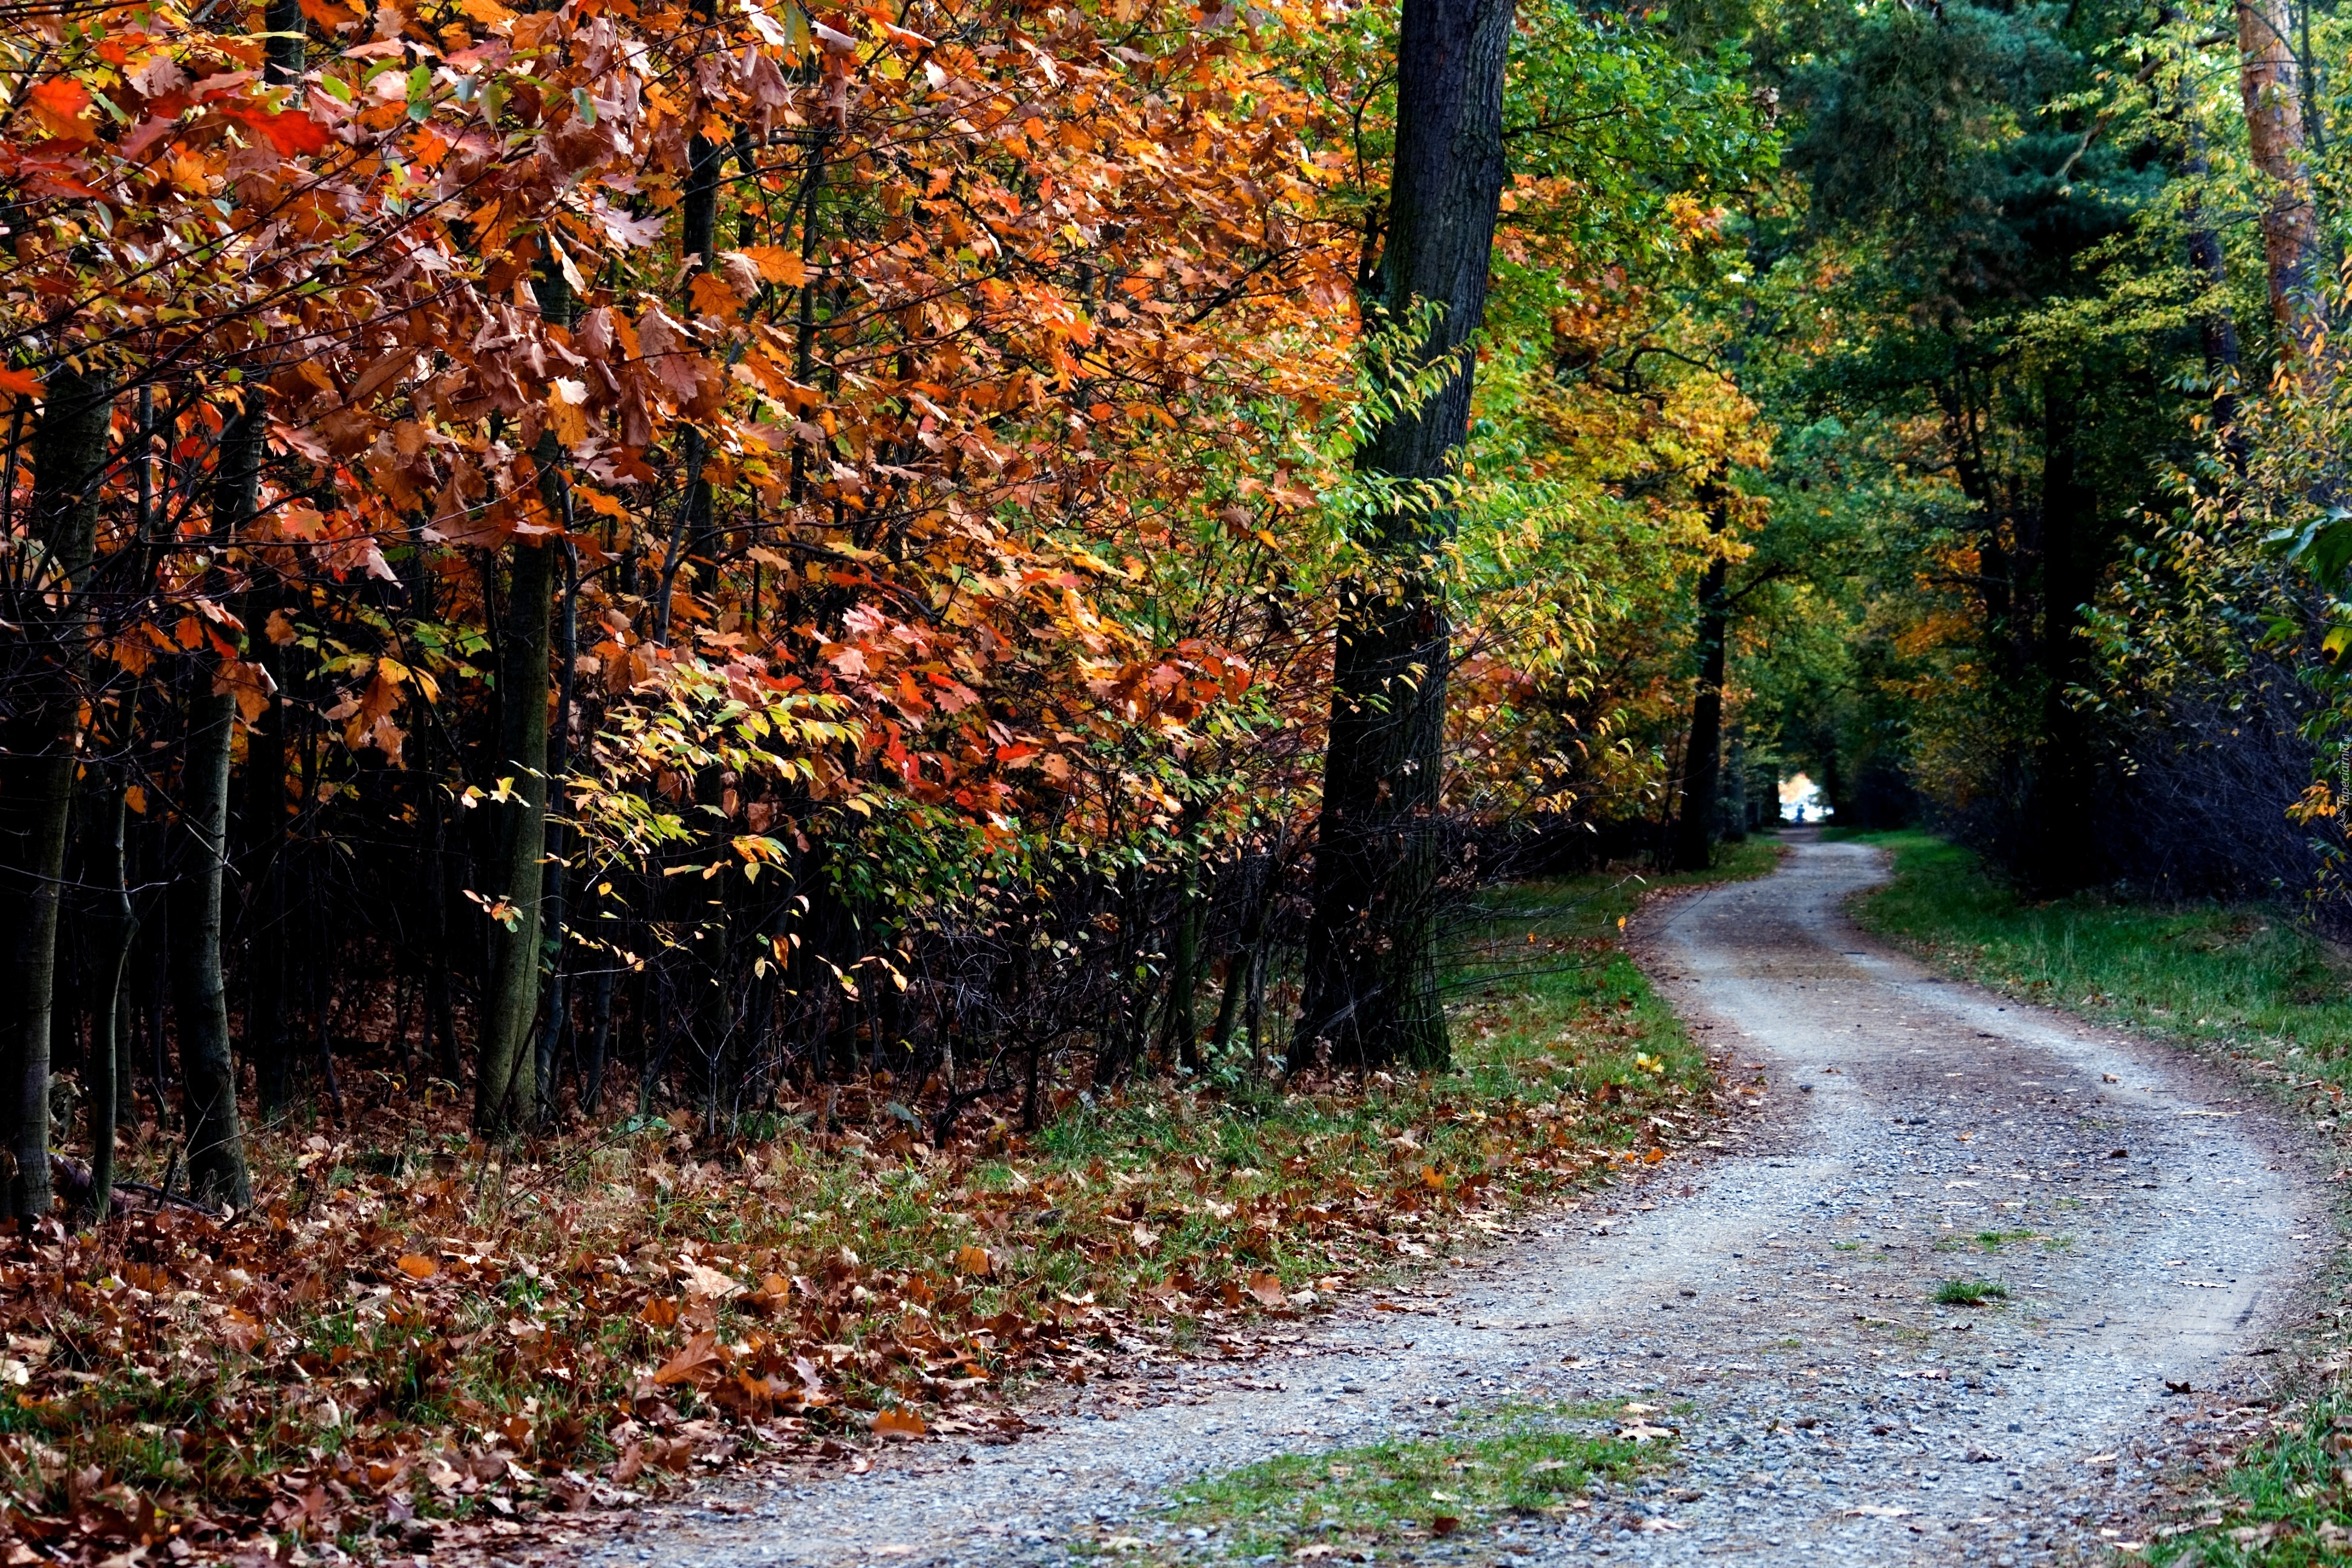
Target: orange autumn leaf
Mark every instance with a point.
(62, 106)
(898, 1424)
(778, 265)
(417, 1266)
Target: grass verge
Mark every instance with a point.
(1517, 1459)
(412, 1341)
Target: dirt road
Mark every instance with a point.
(2152, 1227)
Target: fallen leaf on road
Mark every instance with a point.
(1444, 1524)
(898, 1424)
(1267, 1289)
(1874, 1510)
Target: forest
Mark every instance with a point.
(626, 597)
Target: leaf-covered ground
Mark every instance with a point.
(413, 1340)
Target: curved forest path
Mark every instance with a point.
(2157, 1225)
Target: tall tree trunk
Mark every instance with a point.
(42, 732)
(505, 1085)
(1370, 994)
(2269, 81)
(1703, 759)
(215, 1138)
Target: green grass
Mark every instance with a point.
(2246, 977)
(1971, 1292)
(1520, 1458)
(2283, 1505)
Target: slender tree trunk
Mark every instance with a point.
(2269, 81)
(1181, 1028)
(42, 732)
(215, 1138)
(1241, 964)
(1703, 759)
(1370, 994)
(287, 42)
(558, 876)
(113, 928)
(505, 1087)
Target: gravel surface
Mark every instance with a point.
(1779, 1296)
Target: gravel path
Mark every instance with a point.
(1785, 1299)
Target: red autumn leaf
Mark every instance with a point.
(291, 134)
(20, 383)
(62, 106)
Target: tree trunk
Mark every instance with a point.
(215, 1139)
(42, 732)
(1370, 994)
(289, 43)
(1703, 760)
(505, 1085)
(559, 877)
(114, 927)
(2269, 81)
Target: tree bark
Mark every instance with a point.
(505, 1085)
(215, 1138)
(1703, 759)
(2269, 81)
(42, 732)
(113, 925)
(1370, 994)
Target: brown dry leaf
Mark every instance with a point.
(975, 1261)
(708, 1282)
(1444, 1524)
(1267, 1289)
(698, 1363)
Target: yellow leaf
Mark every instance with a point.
(975, 1260)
